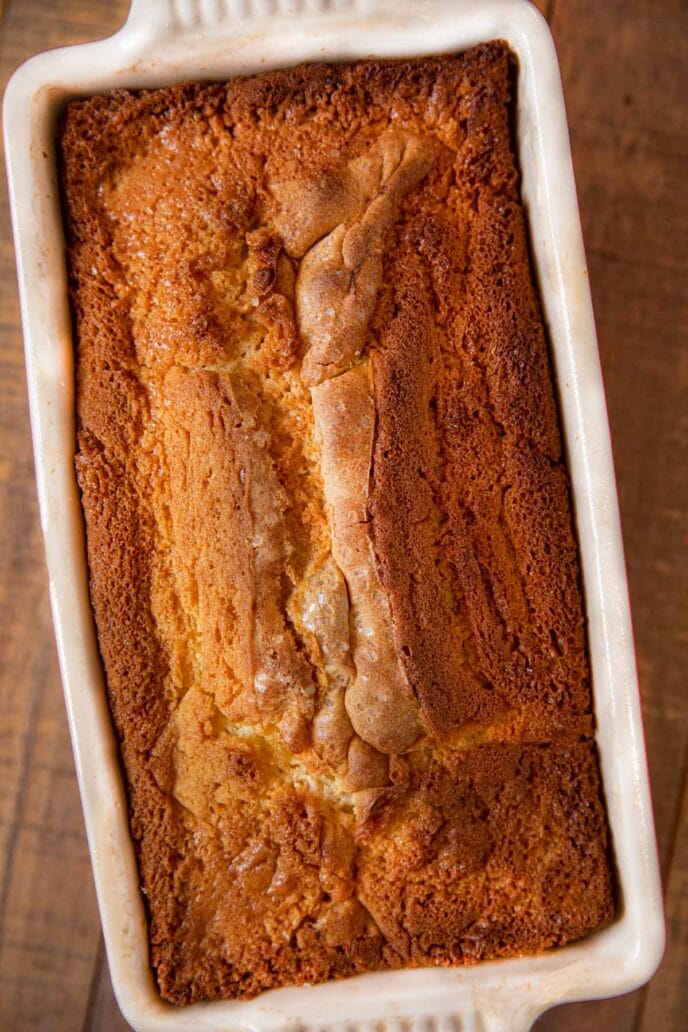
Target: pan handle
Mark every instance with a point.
(156, 18)
(172, 16)
(496, 1017)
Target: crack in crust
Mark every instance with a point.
(338, 231)
(337, 286)
(380, 703)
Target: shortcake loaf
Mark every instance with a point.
(332, 559)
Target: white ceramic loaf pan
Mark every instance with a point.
(170, 40)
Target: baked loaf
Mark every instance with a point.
(330, 544)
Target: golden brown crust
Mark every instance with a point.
(329, 535)
(500, 820)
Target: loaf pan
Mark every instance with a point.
(166, 41)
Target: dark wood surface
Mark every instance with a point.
(624, 67)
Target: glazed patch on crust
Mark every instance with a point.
(329, 533)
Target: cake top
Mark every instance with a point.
(330, 542)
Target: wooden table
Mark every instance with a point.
(624, 67)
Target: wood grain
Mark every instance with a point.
(52, 975)
(624, 70)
